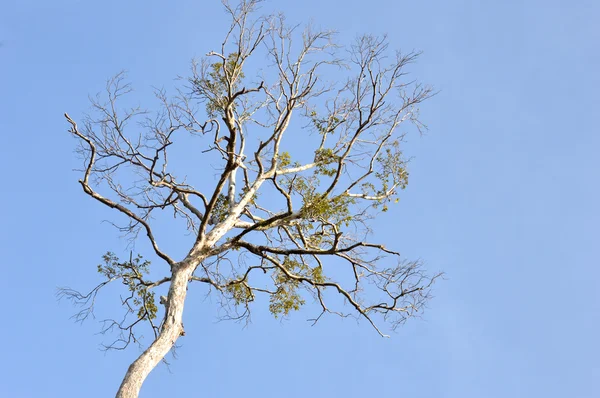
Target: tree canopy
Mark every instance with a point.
(285, 221)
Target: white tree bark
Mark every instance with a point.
(171, 330)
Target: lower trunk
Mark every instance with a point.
(171, 330)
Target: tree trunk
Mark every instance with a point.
(171, 330)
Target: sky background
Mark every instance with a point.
(503, 198)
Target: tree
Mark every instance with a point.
(308, 238)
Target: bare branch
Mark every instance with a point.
(278, 220)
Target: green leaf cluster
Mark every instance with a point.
(323, 158)
(392, 167)
(335, 210)
(391, 171)
(325, 125)
(284, 159)
(315, 205)
(221, 208)
(222, 78)
(240, 293)
(287, 297)
(285, 300)
(301, 185)
(132, 274)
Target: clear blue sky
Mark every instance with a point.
(503, 197)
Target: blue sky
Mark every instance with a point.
(503, 197)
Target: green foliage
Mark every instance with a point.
(284, 159)
(222, 78)
(325, 125)
(287, 297)
(391, 172)
(323, 158)
(316, 274)
(315, 206)
(335, 210)
(301, 185)
(132, 274)
(285, 300)
(221, 208)
(392, 168)
(240, 293)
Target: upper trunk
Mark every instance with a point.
(171, 330)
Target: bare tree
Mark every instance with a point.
(309, 237)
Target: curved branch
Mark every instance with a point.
(88, 190)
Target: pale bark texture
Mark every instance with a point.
(310, 237)
(172, 328)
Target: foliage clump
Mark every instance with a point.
(336, 210)
(288, 280)
(131, 273)
(239, 292)
(324, 158)
(220, 209)
(220, 80)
